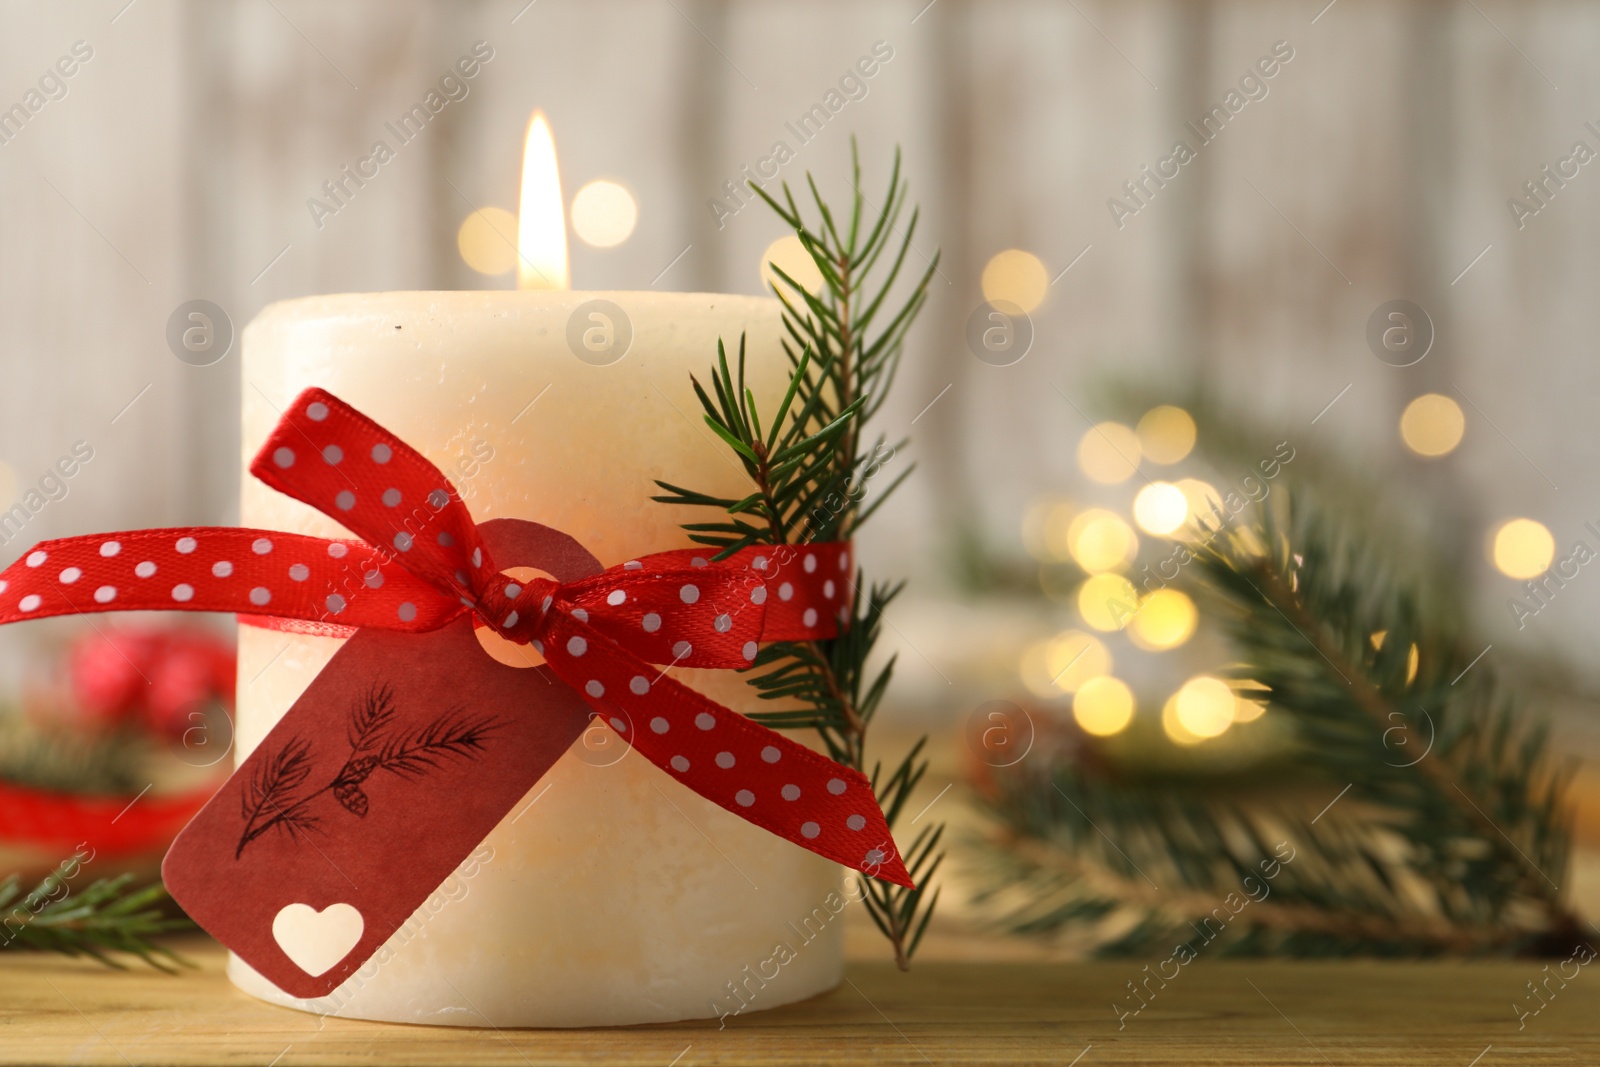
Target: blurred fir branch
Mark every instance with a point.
(71, 761)
(1429, 534)
(107, 917)
(1441, 827)
(809, 467)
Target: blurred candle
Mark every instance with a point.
(611, 894)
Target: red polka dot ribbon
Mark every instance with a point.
(420, 562)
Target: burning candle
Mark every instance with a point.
(541, 220)
(610, 895)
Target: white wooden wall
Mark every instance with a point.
(179, 163)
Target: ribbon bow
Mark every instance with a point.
(422, 563)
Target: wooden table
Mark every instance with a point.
(55, 1010)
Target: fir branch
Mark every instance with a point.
(808, 463)
(1482, 811)
(107, 917)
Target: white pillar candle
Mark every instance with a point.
(610, 894)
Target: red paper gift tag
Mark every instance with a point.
(399, 758)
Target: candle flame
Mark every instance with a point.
(541, 217)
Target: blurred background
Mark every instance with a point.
(1186, 314)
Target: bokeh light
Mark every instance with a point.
(1432, 425)
(1099, 540)
(1203, 500)
(1249, 701)
(1107, 601)
(604, 214)
(1166, 619)
(1176, 732)
(487, 240)
(1062, 664)
(1204, 706)
(1522, 548)
(1103, 706)
(1015, 276)
(793, 259)
(1160, 508)
(1166, 434)
(1109, 453)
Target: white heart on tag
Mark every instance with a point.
(317, 940)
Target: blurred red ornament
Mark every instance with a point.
(154, 678)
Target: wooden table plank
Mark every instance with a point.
(56, 1010)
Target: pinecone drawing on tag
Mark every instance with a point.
(352, 797)
(347, 790)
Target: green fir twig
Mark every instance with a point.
(809, 466)
(107, 917)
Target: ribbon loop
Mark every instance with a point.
(327, 454)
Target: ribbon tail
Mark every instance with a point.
(754, 772)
